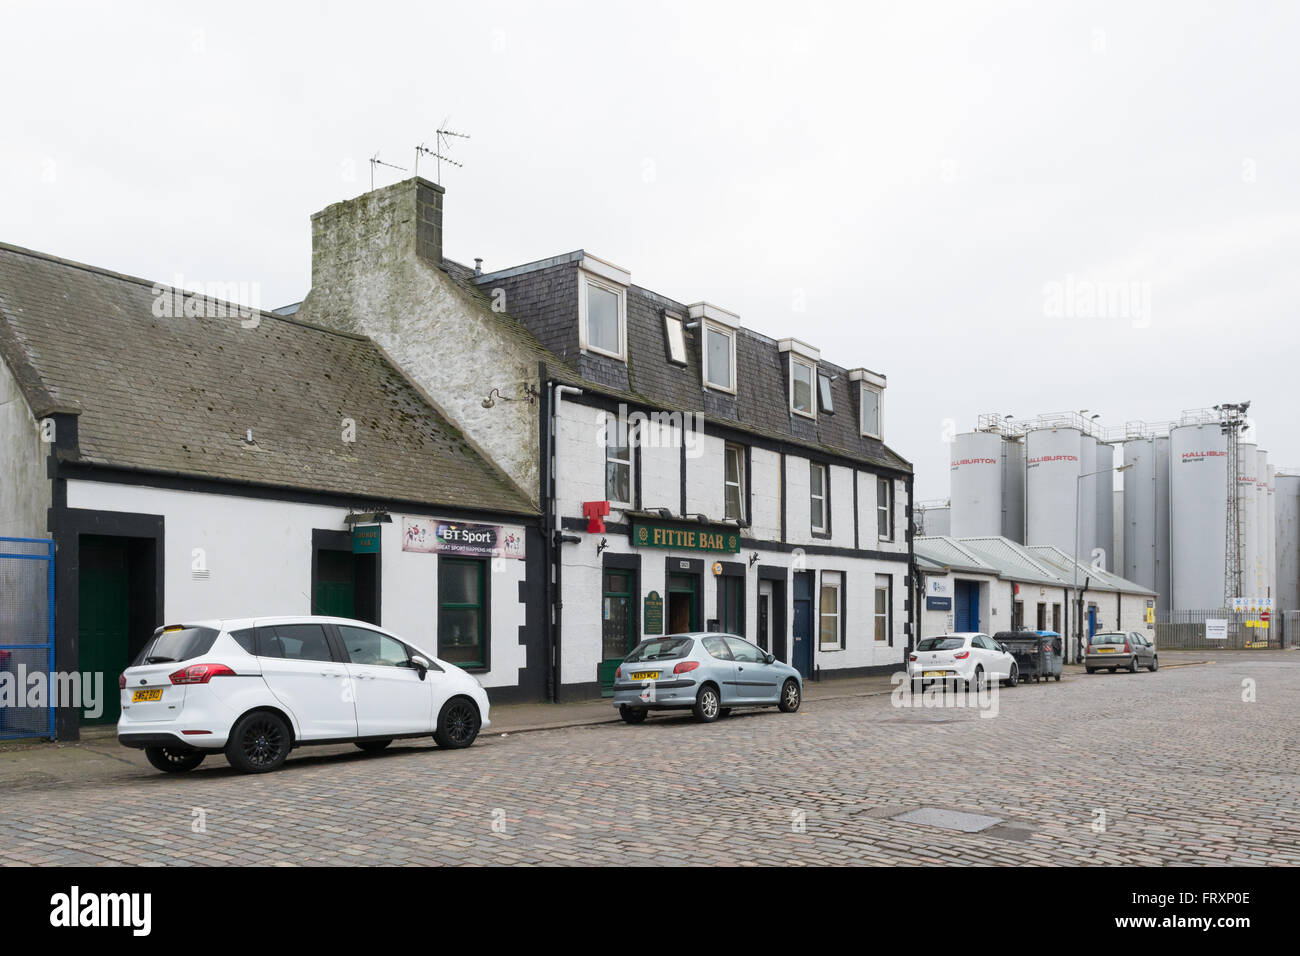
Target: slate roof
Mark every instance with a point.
(543, 297)
(177, 395)
(1035, 564)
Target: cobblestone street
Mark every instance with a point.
(1185, 770)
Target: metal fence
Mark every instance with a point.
(26, 637)
(1240, 630)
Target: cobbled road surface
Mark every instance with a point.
(1167, 768)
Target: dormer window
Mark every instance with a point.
(803, 359)
(801, 387)
(602, 308)
(719, 357)
(718, 345)
(871, 392)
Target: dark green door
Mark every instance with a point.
(618, 626)
(336, 588)
(104, 617)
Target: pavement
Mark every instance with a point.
(1197, 764)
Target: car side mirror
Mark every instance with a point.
(769, 658)
(421, 665)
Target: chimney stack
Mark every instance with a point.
(428, 220)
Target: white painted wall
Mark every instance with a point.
(765, 484)
(258, 554)
(24, 487)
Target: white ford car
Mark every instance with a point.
(967, 656)
(256, 688)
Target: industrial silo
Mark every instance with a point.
(1163, 585)
(1117, 530)
(1105, 507)
(1140, 508)
(1013, 489)
(1270, 531)
(1287, 525)
(1248, 515)
(975, 485)
(1051, 483)
(1198, 473)
(1088, 496)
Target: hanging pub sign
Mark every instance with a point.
(678, 538)
(654, 614)
(365, 538)
(459, 537)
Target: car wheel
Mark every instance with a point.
(259, 743)
(1014, 677)
(791, 698)
(1090, 670)
(1155, 664)
(708, 706)
(1058, 677)
(978, 682)
(458, 724)
(174, 760)
(373, 746)
(1133, 665)
(633, 715)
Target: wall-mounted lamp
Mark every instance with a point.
(753, 559)
(604, 543)
(368, 517)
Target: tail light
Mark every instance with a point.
(618, 672)
(685, 667)
(121, 681)
(962, 656)
(1127, 650)
(911, 657)
(200, 673)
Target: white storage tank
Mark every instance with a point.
(1163, 585)
(1105, 534)
(975, 485)
(1088, 496)
(1140, 508)
(1013, 489)
(1262, 524)
(1117, 530)
(1198, 509)
(1248, 512)
(1287, 531)
(1052, 457)
(1270, 528)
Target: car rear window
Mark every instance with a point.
(1108, 638)
(941, 643)
(660, 649)
(176, 643)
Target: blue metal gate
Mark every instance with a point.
(26, 635)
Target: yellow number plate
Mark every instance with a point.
(933, 673)
(646, 675)
(1105, 650)
(140, 695)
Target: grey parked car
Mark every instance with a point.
(1111, 650)
(708, 673)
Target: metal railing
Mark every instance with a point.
(1241, 630)
(26, 633)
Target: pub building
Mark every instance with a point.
(690, 472)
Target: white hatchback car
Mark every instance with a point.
(256, 688)
(968, 656)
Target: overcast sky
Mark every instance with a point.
(930, 190)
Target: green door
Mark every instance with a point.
(618, 626)
(104, 617)
(336, 589)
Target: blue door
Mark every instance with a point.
(966, 606)
(1092, 622)
(803, 593)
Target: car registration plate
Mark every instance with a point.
(146, 695)
(646, 675)
(933, 673)
(1105, 650)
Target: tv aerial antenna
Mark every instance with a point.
(376, 161)
(442, 147)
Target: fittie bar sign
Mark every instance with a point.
(685, 539)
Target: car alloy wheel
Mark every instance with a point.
(259, 743)
(174, 760)
(707, 705)
(1014, 677)
(1155, 664)
(458, 724)
(791, 698)
(1133, 665)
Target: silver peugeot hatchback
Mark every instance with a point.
(706, 672)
